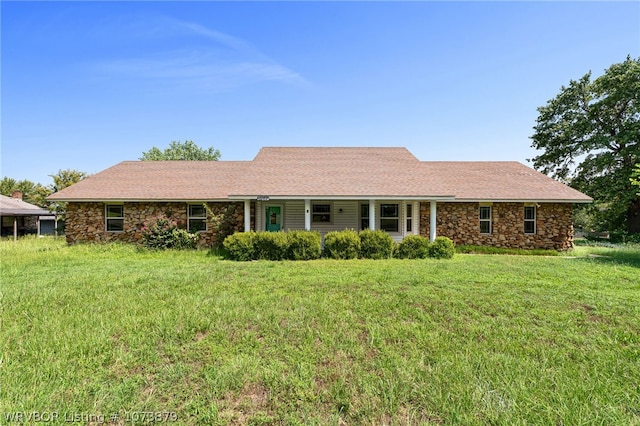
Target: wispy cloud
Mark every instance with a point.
(208, 60)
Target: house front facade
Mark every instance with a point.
(502, 204)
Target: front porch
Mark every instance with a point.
(398, 217)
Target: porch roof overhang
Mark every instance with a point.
(145, 200)
(265, 197)
(522, 200)
(25, 212)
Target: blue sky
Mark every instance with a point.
(86, 85)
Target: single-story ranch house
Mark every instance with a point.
(503, 204)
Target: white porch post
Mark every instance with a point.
(432, 222)
(15, 228)
(372, 215)
(307, 214)
(416, 217)
(247, 215)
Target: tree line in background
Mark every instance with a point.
(36, 193)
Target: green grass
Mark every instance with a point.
(471, 249)
(479, 339)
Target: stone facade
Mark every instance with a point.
(458, 221)
(461, 223)
(86, 221)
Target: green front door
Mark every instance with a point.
(274, 218)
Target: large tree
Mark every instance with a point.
(589, 134)
(61, 180)
(187, 150)
(65, 178)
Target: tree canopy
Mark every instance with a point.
(65, 178)
(187, 150)
(635, 178)
(590, 138)
(32, 193)
(61, 180)
(36, 193)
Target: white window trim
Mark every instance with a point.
(361, 218)
(189, 217)
(490, 220)
(313, 205)
(396, 218)
(534, 220)
(407, 217)
(107, 218)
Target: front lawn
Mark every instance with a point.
(480, 339)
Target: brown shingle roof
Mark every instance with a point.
(321, 172)
(10, 206)
(158, 180)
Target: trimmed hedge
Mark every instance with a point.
(294, 245)
(413, 247)
(442, 248)
(342, 244)
(241, 246)
(375, 244)
(346, 244)
(304, 245)
(271, 245)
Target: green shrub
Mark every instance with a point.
(303, 245)
(342, 244)
(413, 247)
(442, 248)
(241, 246)
(163, 233)
(271, 245)
(375, 244)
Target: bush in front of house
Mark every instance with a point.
(163, 233)
(263, 245)
(241, 246)
(271, 245)
(442, 248)
(413, 247)
(375, 244)
(304, 245)
(342, 244)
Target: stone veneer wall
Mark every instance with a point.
(86, 221)
(461, 223)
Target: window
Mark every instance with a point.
(115, 217)
(389, 217)
(364, 216)
(529, 220)
(321, 213)
(409, 217)
(197, 220)
(485, 219)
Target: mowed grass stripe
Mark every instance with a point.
(474, 340)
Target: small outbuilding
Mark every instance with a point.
(21, 218)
